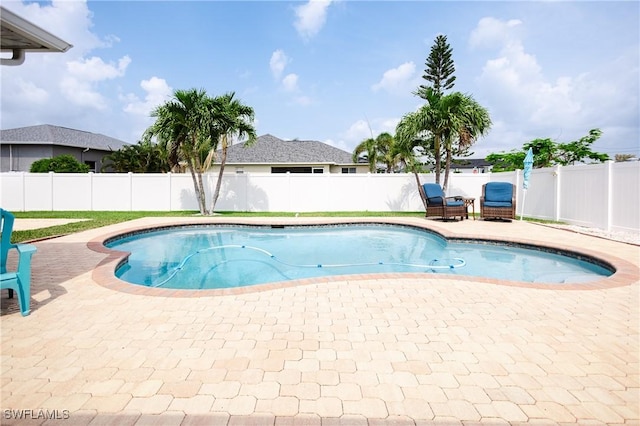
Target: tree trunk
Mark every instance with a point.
(423, 196)
(447, 168)
(203, 195)
(436, 149)
(197, 188)
(223, 160)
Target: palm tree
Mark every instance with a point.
(382, 149)
(184, 125)
(231, 119)
(388, 151)
(367, 146)
(468, 120)
(448, 122)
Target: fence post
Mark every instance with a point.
(91, 191)
(24, 191)
(557, 191)
(289, 191)
(130, 191)
(519, 192)
(169, 192)
(51, 188)
(609, 195)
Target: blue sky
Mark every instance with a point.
(335, 71)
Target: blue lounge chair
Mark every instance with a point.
(498, 201)
(20, 280)
(440, 206)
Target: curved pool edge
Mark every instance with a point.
(626, 273)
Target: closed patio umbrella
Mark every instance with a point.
(528, 165)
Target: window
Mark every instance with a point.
(318, 170)
(92, 165)
(291, 169)
(348, 170)
(239, 170)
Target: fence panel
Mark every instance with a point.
(182, 193)
(625, 197)
(71, 191)
(583, 199)
(12, 190)
(541, 195)
(234, 193)
(38, 194)
(149, 192)
(601, 195)
(111, 192)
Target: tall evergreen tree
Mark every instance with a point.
(439, 68)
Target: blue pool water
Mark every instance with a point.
(214, 257)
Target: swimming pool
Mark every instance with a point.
(230, 256)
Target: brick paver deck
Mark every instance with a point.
(366, 350)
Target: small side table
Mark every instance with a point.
(470, 202)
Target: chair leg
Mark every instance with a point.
(24, 299)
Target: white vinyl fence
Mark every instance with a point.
(603, 196)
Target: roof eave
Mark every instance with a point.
(32, 38)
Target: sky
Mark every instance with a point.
(337, 72)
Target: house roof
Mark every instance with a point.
(272, 150)
(46, 134)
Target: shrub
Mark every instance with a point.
(61, 164)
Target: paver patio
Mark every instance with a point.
(364, 350)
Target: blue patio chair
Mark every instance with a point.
(498, 201)
(440, 206)
(20, 280)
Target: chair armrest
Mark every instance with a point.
(25, 251)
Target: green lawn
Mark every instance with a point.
(98, 219)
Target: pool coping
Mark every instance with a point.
(626, 273)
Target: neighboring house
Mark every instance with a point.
(270, 154)
(20, 147)
(471, 165)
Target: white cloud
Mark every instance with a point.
(78, 86)
(80, 93)
(28, 91)
(278, 62)
(303, 100)
(311, 17)
(491, 32)
(400, 80)
(157, 92)
(365, 129)
(290, 82)
(566, 107)
(340, 145)
(74, 85)
(357, 132)
(94, 69)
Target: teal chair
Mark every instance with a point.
(20, 280)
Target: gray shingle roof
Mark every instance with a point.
(47, 134)
(272, 150)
